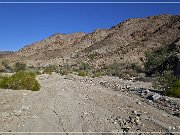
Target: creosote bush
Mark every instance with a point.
(20, 80)
(174, 91)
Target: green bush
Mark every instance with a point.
(174, 91)
(97, 73)
(35, 70)
(20, 80)
(160, 60)
(18, 66)
(114, 69)
(83, 73)
(4, 81)
(164, 81)
(49, 69)
(84, 66)
(64, 72)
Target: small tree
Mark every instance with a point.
(19, 66)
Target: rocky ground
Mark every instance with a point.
(71, 104)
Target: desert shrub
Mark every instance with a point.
(66, 69)
(160, 60)
(123, 70)
(114, 69)
(82, 73)
(84, 66)
(47, 70)
(34, 70)
(64, 72)
(4, 81)
(164, 81)
(20, 80)
(4, 66)
(19, 66)
(98, 74)
(135, 67)
(174, 91)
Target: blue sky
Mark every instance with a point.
(23, 24)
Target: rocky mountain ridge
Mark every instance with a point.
(5, 53)
(125, 42)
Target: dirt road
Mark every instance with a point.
(74, 104)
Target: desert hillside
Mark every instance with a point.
(124, 42)
(122, 80)
(5, 53)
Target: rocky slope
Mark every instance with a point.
(125, 42)
(5, 53)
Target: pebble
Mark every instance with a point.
(34, 117)
(139, 103)
(25, 108)
(24, 94)
(2, 103)
(17, 112)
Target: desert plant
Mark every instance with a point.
(20, 80)
(174, 91)
(160, 60)
(19, 66)
(84, 66)
(114, 69)
(4, 81)
(64, 71)
(164, 81)
(82, 73)
(97, 73)
(47, 70)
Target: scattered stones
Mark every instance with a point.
(154, 96)
(157, 100)
(17, 113)
(26, 108)
(34, 117)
